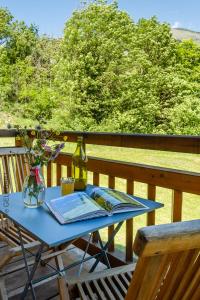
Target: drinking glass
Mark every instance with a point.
(67, 185)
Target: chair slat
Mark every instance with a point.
(115, 290)
(9, 173)
(196, 293)
(192, 264)
(14, 173)
(106, 289)
(5, 237)
(1, 179)
(5, 176)
(193, 286)
(81, 292)
(26, 163)
(89, 289)
(175, 274)
(22, 165)
(125, 280)
(99, 291)
(18, 173)
(120, 285)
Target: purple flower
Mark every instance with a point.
(54, 155)
(47, 148)
(62, 145)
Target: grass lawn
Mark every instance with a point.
(181, 161)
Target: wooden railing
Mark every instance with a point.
(176, 180)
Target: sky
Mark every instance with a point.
(51, 15)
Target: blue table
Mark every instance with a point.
(44, 227)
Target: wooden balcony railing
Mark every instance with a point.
(177, 181)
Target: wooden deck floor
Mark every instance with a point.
(16, 279)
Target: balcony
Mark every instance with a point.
(179, 190)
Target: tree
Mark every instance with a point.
(107, 73)
(5, 21)
(95, 49)
(117, 75)
(26, 70)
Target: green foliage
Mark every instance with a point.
(96, 42)
(107, 73)
(185, 117)
(21, 42)
(5, 20)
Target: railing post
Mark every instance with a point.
(177, 202)
(18, 143)
(111, 184)
(151, 195)
(58, 173)
(49, 174)
(95, 182)
(129, 226)
(69, 171)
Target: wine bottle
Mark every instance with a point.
(79, 166)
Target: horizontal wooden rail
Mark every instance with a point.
(175, 143)
(156, 176)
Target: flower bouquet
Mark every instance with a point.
(39, 153)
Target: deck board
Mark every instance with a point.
(47, 291)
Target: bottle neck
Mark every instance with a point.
(79, 145)
(80, 152)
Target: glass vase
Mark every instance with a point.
(33, 191)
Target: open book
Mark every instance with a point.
(93, 202)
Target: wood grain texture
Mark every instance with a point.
(111, 185)
(49, 174)
(95, 182)
(162, 239)
(169, 256)
(129, 226)
(167, 178)
(151, 195)
(58, 174)
(177, 202)
(186, 144)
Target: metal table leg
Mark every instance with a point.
(83, 258)
(104, 248)
(31, 272)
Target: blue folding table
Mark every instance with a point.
(44, 227)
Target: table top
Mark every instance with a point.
(40, 223)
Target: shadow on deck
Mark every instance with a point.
(15, 279)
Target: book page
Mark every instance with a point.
(104, 198)
(74, 206)
(110, 199)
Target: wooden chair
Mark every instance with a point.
(168, 268)
(13, 170)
